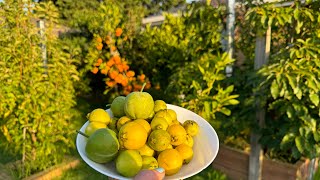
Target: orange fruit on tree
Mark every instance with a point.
(99, 46)
(95, 70)
(118, 32)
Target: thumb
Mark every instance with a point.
(159, 172)
(156, 174)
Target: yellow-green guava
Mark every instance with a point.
(102, 146)
(117, 106)
(138, 105)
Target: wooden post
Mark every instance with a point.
(230, 34)
(262, 52)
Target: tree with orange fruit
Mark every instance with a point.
(108, 62)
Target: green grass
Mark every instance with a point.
(85, 172)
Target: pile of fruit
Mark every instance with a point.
(142, 134)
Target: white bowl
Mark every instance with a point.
(206, 146)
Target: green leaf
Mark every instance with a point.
(229, 89)
(314, 99)
(207, 109)
(296, 13)
(298, 27)
(226, 111)
(232, 102)
(201, 69)
(290, 112)
(286, 140)
(274, 89)
(299, 143)
(316, 136)
(299, 94)
(270, 20)
(292, 83)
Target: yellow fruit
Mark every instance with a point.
(145, 124)
(169, 147)
(146, 150)
(191, 127)
(93, 126)
(159, 123)
(132, 136)
(159, 140)
(189, 141)
(178, 134)
(159, 105)
(173, 114)
(186, 153)
(167, 114)
(123, 120)
(170, 160)
(99, 115)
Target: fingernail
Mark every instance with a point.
(160, 169)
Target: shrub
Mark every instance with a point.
(37, 99)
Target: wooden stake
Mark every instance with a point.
(262, 52)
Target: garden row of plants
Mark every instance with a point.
(108, 52)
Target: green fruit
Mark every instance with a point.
(129, 163)
(102, 146)
(149, 162)
(139, 105)
(159, 123)
(159, 105)
(159, 140)
(93, 126)
(117, 106)
(99, 115)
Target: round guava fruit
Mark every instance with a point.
(117, 106)
(99, 115)
(129, 163)
(159, 140)
(138, 105)
(159, 105)
(149, 162)
(102, 146)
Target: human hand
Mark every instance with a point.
(155, 174)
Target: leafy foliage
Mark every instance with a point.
(291, 80)
(38, 96)
(188, 51)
